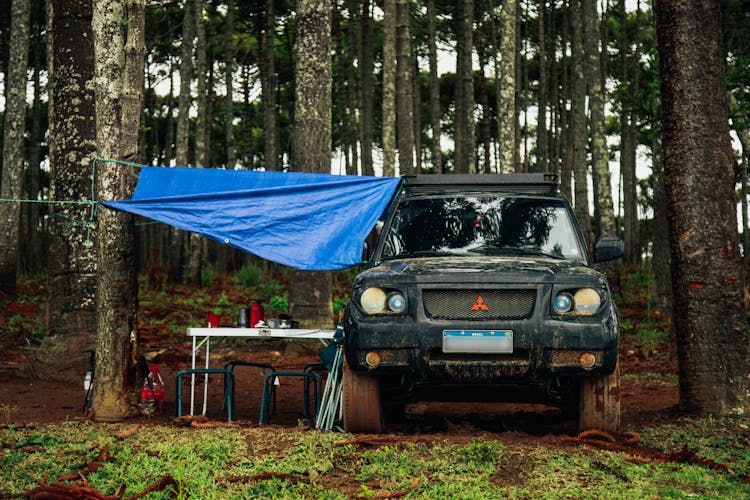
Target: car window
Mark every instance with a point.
(489, 225)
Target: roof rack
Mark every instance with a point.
(532, 183)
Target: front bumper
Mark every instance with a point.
(542, 348)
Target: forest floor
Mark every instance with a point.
(647, 356)
(440, 450)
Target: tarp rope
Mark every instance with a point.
(93, 203)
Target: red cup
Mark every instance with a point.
(213, 320)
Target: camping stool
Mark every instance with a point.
(228, 395)
(269, 389)
(306, 381)
(230, 366)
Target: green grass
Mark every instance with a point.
(226, 463)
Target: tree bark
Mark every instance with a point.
(484, 103)
(182, 141)
(351, 51)
(506, 98)
(542, 153)
(627, 149)
(231, 151)
(435, 113)
(35, 238)
(565, 128)
(13, 145)
(71, 277)
(417, 79)
(268, 82)
(578, 109)
(661, 294)
(389, 88)
(465, 140)
(201, 134)
(709, 313)
(404, 90)
(744, 138)
(310, 293)
(119, 49)
(604, 208)
(366, 65)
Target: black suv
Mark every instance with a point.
(481, 288)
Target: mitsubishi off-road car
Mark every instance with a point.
(481, 288)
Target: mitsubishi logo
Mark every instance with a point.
(480, 305)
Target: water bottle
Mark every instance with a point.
(152, 392)
(256, 313)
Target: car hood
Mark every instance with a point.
(481, 270)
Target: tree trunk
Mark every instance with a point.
(119, 49)
(743, 135)
(578, 110)
(186, 78)
(565, 127)
(268, 82)
(352, 128)
(169, 147)
(709, 314)
(484, 103)
(33, 241)
(389, 88)
(604, 211)
(519, 89)
(182, 143)
(404, 90)
(464, 139)
(744, 138)
(522, 96)
(201, 135)
(542, 153)
(417, 79)
(231, 152)
(13, 145)
(604, 208)
(437, 155)
(661, 294)
(310, 293)
(627, 151)
(506, 97)
(367, 69)
(71, 277)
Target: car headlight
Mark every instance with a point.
(587, 301)
(375, 300)
(396, 302)
(563, 303)
(582, 302)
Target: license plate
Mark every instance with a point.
(478, 341)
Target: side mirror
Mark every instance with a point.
(365, 252)
(608, 249)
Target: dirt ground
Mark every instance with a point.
(25, 401)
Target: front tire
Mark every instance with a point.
(600, 402)
(361, 402)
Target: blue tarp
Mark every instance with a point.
(307, 221)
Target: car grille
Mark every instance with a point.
(479, 304)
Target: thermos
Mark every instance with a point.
(243, 317)
(256, 313)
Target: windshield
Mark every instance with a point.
(481, 225)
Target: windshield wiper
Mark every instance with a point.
(419, 253)
(491, 249)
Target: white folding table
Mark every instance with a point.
(202, 339)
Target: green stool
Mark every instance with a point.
(230, 366)
(269, 391)
(228, 391)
